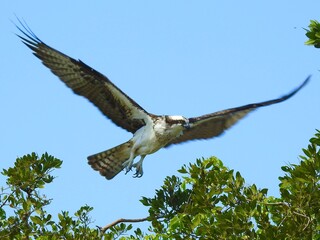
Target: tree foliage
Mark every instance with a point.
(208, 201)
(313, 33)
(211, 201)
(29, 219)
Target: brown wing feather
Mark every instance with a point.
(214, 124)
(89, 83)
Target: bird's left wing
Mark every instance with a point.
(87, 82)
(214, 124)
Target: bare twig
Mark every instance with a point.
(305, 216)
(285, 217)
(6, 200)
(122, 220)
(294, 212)
(277, 204)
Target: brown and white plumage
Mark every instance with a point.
(110, 162)
(150, 132)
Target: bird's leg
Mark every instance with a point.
(129, 163)
(138, 166)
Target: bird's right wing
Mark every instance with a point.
(89, 83)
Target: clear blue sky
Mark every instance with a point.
(172, 57)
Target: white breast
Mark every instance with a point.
(155, 135)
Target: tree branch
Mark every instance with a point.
(122, 220)
(6, 200)
(305, 216)
(277, 204)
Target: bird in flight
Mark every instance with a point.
(150, 132)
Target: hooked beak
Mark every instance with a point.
(187, 126)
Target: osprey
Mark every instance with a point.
(150, 132)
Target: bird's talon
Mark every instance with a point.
(128, 165)
(139, 171)
(137, 175)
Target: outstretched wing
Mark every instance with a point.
(214, 124)
(89, 83)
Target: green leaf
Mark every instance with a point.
(182, 170)
(36, 220)
(196, 221)
(175, 222)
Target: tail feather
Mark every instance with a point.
(109, 162)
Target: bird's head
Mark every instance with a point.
(178, 121)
